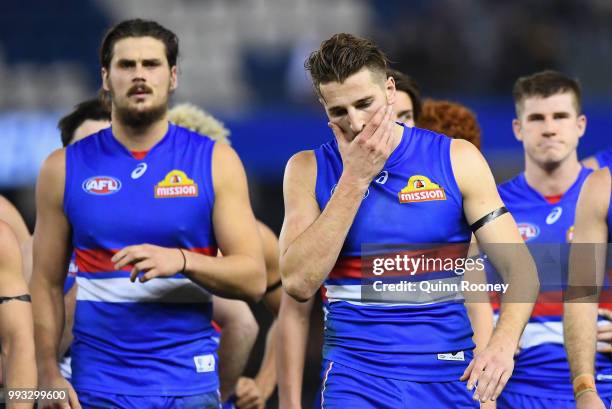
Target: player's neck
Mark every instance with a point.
(140, 139)
(552, 181)
(398, 131)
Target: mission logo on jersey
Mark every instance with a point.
(421, 189)
(176, 184)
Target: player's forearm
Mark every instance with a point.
(19, 357)
(310, 257)
(247, 280)
(266, 377)
(521, 275)
(580, 332)
(234, 350)
(292, 333)
(481, 317)
(48, 311)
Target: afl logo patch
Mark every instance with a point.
(554, 215)
(101, 185)
(528, 231)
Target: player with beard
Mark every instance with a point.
(163, 199)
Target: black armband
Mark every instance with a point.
(274, 286)
(488, 218)
(23, 297)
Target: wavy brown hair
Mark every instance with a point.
(451, 119)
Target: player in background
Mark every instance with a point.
(320, 225)
(549, 123)
(294, 316)
(451, 119)
(16, 329)
(589, 265)
(146, 167)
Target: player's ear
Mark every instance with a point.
(173, 78)
(390, 90)
(582, 124)
(516, 128)
(104, 74)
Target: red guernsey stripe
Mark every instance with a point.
(346, 267)
(139, 155)
(95, 261)
(401, 263)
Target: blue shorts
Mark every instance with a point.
(511, 400)
(100, 400)
(344, 388)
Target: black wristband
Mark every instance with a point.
(488, 218)
(274, 286)
(23, 297)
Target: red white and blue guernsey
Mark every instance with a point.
(415, 199)
(133, 338)
(541, 369)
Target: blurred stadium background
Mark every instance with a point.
(242, 60)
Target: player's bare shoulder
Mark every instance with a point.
(596, 191)
(469, 166)
(226, 165)
(10, 255)
(50, 184)
(301, 171)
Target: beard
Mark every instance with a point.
(135, 118)
(138, 119)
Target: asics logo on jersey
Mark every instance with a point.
(382, 178)
(528, 231)
(554, 215)
(421, 189)
(139, 170)
(101, 185)
(176, 184)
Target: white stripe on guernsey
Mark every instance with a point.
(355, 294)
(331, 364)
(161, 290)
(538, 333)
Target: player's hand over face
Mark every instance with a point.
(604, 332)
(248, 394)
(364, 157)
(56, 383)
(490, 370)
(153, 261)
(589, 400)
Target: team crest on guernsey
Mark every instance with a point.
(176, 184)
(421, 189)
(101, 185)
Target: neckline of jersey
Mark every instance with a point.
(149, 152)
(581, 176)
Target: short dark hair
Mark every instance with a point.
(139, 28)
(544, 84)
(341, 56)
(92, 109)
(407, 84)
